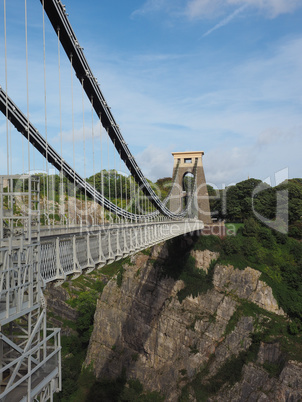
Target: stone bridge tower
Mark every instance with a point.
(187, 168)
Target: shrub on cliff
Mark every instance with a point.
(85, 303)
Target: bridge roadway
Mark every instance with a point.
(74, 250)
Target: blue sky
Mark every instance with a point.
(219, 76)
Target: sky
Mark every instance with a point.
(219, 76)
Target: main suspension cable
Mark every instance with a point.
(73, 143)
(6, 89)
(84, 151)
(27, 86)
(93, 164)
(62, 198)
(46, 207)
(102, 173)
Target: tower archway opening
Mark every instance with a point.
(187, 187)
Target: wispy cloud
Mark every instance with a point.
(151, 6)
(200, 9)
(272, 8)
(226, 20)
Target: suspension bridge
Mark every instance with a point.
(55, 221)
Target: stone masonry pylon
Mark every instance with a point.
(184, 163)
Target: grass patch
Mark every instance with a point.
(274, 369)
(146, 251)
(232, 228)
(112, 269)
(245, 309)
(212, 243)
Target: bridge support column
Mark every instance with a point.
(77, 270)
(90, 263)
(125, 246)
(60, 273)
(119, 253)
(110, 258)
(102, 259)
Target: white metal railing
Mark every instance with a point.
(71, 255)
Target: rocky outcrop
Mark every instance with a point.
(257, 385)
(246, 285)
(142, 327)
(204, 258)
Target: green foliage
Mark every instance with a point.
(212, 243)
(99, 286)
(71, 367)
(134, 392)
(274, 369)
(119, 277)
(295, 327)
(233, 228)
(295, 229)
(245, 309)
(106, 390)
(85, 303)
(119, 390)
(231, 245)
(146, 251)
(163, 187)
(236, 203)
(112, 269)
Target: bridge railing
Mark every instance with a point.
(65, 255)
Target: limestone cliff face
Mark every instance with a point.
(142, 327)
(257, 385)
(246, 285)
(56, 298)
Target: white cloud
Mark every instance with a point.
(224, 166)
(272, 150)
(155, 162)
(204, 8)
(276, 135)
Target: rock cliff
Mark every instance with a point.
(180, 347)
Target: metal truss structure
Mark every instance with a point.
(30, 353)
